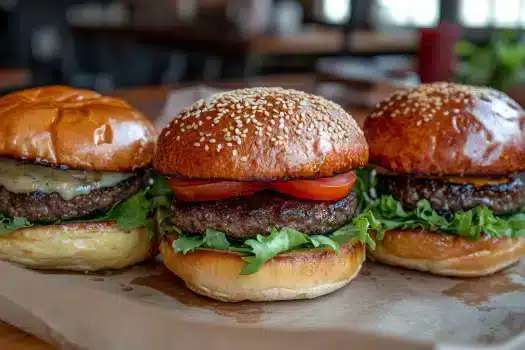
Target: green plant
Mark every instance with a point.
(500, 64)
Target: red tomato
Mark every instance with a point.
(324, 189)
(195, 191)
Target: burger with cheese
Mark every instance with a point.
(72, 180)
(263, 207)
(449, 195)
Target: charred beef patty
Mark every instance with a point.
(245, 217)
(451, 197)
(42, 207)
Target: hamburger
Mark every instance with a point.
(263, 207)
(73, 189)
(448, 191)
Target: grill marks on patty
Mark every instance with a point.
(245, 217)
(42, 207)
(451, 197)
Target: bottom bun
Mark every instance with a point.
(296, 275)
(445, 254)
(76, 247)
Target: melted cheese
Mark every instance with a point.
(20, 177)
(474, 181)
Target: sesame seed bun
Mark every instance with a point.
(76, 247)
(296, 275)
(261, 134)
(80, 129)
(448, 129)
(445, 254)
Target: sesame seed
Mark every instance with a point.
(196, 144)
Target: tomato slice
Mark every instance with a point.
(212, 190)
(324, 189)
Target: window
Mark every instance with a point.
(496, 13)
(337, 11)
(412, 13)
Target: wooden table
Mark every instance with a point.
(150, 100)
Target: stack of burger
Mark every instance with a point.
(263, 207)
(448, 195)
(73, 190)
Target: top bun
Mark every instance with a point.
(448, 129)
(261, 134)
(71, 128)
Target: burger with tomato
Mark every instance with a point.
(263, 207)
(448, 192)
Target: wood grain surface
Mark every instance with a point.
(150, 100)
(14, 339)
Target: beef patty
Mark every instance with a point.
(43, 207)
(248, 216)
(451, 197)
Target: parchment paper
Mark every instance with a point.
(145, 307)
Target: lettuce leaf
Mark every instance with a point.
(385, 213)
(132, 213)
(188, 244)
(8, 225)
(263, 248)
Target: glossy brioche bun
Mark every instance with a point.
(261, 134)
(447, 255)
(76, 247)
(80, 129)
(297, 275)
(448, 129)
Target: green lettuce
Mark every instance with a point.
(129, 214)
(8, 224)
(388, 213)
(259, 250)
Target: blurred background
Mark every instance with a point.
(369, 46)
